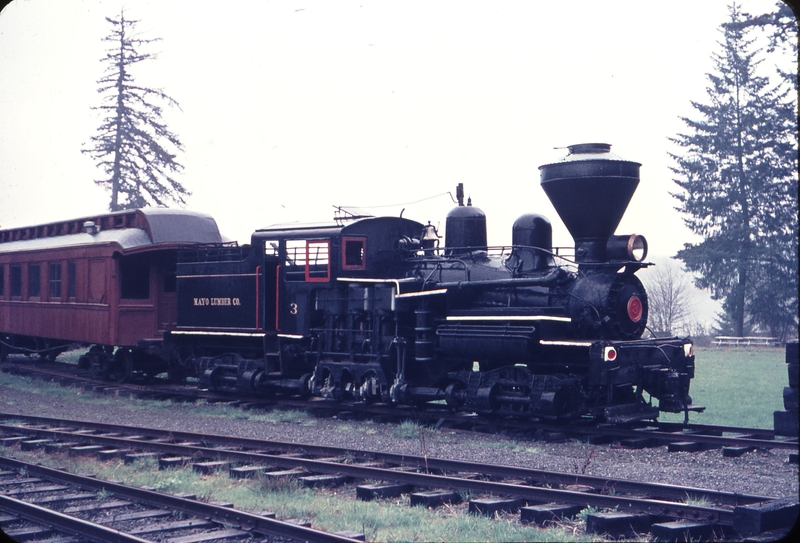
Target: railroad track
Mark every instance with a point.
(38, 502)
(733, 440)
(539, 496)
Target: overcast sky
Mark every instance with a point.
(291, 107)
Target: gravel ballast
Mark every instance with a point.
(760, 472)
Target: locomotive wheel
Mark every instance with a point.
(305, 386)
(369, 388)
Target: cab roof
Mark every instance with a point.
(332, 228)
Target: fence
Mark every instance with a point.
(746, 341)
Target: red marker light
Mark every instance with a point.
(635, 309)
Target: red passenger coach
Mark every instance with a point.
(106, 281)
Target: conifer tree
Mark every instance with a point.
(133, 145)
(738, 181)
(781, 27)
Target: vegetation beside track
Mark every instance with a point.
(331, 510)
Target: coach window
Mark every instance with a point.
(34, 281)
(2, 281)
(55, 281)
(16, 281)
(71, 275)
(134, 279)
(353, 253)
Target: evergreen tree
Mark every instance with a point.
(781, 25)
(128, 147)
(738, 175)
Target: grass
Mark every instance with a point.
(698, 502)
(408, 429)
(51, 392)
(738, 387)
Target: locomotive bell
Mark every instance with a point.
(430, 239)
(591, 189)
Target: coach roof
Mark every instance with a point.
(128, 230)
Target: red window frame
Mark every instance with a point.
(317, 257)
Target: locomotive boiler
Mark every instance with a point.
(373, 309)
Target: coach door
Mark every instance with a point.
(168, 297)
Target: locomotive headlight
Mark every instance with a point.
(631, 247)
(637, 247)
(688, 350)
(609, 354)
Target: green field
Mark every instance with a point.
(739, 387)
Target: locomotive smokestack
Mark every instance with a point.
(590, 189)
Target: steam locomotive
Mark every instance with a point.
(372, 309)
(364, 308)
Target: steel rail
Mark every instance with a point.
(675, 437)
(660, 507)
(510, 472)
(65, 523)
(698, 427)
(222, 515)
(255, 523)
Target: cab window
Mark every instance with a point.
(353, 253)
(307, 260)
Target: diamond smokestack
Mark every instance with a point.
(590, 189)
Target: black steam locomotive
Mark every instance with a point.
(372, 309)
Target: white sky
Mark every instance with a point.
(291, 107)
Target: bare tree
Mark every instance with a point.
(668, 294)
(130, 146)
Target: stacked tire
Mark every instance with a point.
(787, 421)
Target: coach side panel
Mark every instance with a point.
(56, 295)
(87, 295)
